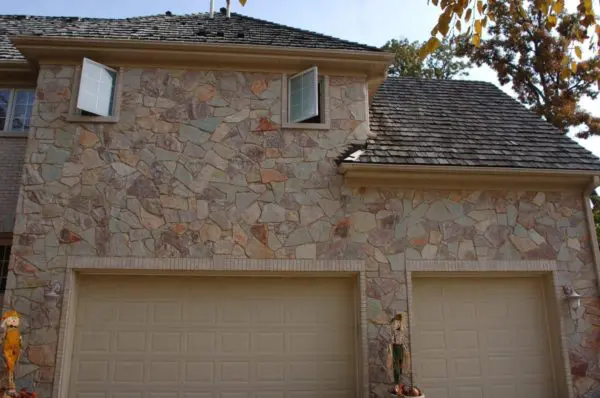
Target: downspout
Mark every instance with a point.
(592, 227)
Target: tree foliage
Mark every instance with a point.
(526, 54)
(473, 16)
(441, 64)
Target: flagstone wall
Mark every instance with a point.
(199, 166)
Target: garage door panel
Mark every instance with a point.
(469, 392)
(128, 312)
(488, 347)
(217, 337)
(199, 372)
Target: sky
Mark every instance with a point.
(365, 21)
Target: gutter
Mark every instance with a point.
(442, 169)
(592, 227)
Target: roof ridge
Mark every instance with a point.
(15, 17)
(438, 81)
(374, 48)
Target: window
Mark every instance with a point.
(306, 100)
(304, 96)
(97, 86)
(15, 109)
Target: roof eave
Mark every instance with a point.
(48, 50)
(465, 177)
(17, 73)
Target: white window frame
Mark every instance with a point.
(75, 113)
(325, 123)
(315, 71)
(10, 111)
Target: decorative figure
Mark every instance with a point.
(398, 354)
(12, 345)
(398, 358)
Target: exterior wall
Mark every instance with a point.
(198, 167)
(12, 153)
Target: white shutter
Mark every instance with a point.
(96, 88)
(303, 95)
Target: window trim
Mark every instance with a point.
(325, 125)
(116, 106)
(11, 106)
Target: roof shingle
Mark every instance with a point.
(196, 28)
(464, 123)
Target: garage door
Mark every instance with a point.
(481, 338)
(172, 337)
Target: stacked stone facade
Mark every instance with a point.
(199, 166)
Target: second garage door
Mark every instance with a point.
(171, 337)
(482, 338)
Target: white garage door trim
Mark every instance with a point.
(77, 265)
(544, 270)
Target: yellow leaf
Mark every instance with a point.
(491, 16)
(558, 6)
(480, 7)
(478, 27)
(432, 44)
(552, 21)
(573, 67)
(444, 22)
(565, 61)
(468, 15)
(476, 40)
(578, 51)
(243, 2)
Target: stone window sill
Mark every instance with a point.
(307, 126)
(92, 119)
(14, 134)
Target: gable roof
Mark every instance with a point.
(194, 28)
(463, 123)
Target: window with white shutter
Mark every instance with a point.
(303, 96)
(97, 87)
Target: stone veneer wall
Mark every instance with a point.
(198, 166)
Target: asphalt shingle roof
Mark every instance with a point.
(463, 123)
(196, 28)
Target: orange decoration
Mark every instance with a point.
(12, 345)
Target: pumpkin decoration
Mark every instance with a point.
(405, 390)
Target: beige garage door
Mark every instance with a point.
(481, 338)
(172, 337)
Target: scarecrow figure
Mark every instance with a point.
(398, 354)
(11, 340)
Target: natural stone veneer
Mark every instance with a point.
(198, 165)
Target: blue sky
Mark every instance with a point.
(365, 21)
